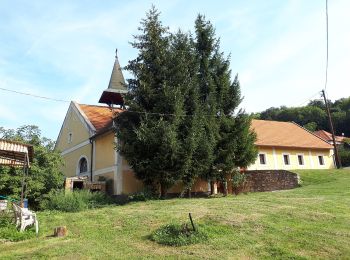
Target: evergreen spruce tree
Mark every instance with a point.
(181, 121)
(205, 46)
(227, 134)
(148, 131)
(184, 73)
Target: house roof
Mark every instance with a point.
(328, 136)
(286, 134)
(99, 116)
(269, 133)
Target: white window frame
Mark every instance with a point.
(265, 156)
(284, 163)
(303, 159)
(318, 160)
(78, 167)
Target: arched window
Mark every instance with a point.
(83, 165)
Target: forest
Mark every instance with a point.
(313, 116)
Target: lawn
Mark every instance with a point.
(312, 221)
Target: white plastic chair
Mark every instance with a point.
(25, 218)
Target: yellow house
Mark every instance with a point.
(288, 146)
(87, 143)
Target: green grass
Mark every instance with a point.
(305, 223)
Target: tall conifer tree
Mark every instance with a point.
(149, 131)
(220, 99)
(182, 121)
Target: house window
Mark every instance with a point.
(83, 165)
(286, 159)
(70, 135)
(321, 160)
(301, 159)
(262, 158)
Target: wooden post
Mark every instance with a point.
(337, 159)
(194, 228)
(60, 231)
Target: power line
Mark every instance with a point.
(309, 99)
(32, 95)
(325, 85)
(66, 101)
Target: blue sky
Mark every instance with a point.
(65, 50)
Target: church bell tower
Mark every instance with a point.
(116, 87)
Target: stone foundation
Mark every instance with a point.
(270, 180)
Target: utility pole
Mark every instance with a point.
(337, 159)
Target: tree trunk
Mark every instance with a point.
(60, 231)
(225, 188)
(162, 191)
(211, 187)
(189, 193)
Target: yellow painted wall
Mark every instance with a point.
(274, 159)
(104, 151)
(199, 186)
(130, 183)
(71, 160)
(107, 175)
(75, 126)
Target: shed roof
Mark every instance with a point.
(15, 153)
(286, 134)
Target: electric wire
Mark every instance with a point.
(32, 95)
(131, 111)
(326, 80)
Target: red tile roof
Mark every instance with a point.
(328, 136)
(286, 134)
(99, 116)
(269, 133)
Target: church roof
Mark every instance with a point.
(99, 116)
(116, 86)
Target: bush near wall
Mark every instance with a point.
(74, 201)
(345, 157)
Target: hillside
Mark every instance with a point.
(308, 222)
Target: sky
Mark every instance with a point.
(65, 50)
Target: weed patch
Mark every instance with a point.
(178, 235)
(75, 201)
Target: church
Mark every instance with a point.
(87, 143)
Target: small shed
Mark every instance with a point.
(16, 154)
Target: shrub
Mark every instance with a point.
(74, 201)
(143, 196)
(45, 172)
(344, 157)
(177, 235)
(238, 180)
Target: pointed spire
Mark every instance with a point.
(116, 86)
(117, 79)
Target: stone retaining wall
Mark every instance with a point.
(270, 180)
